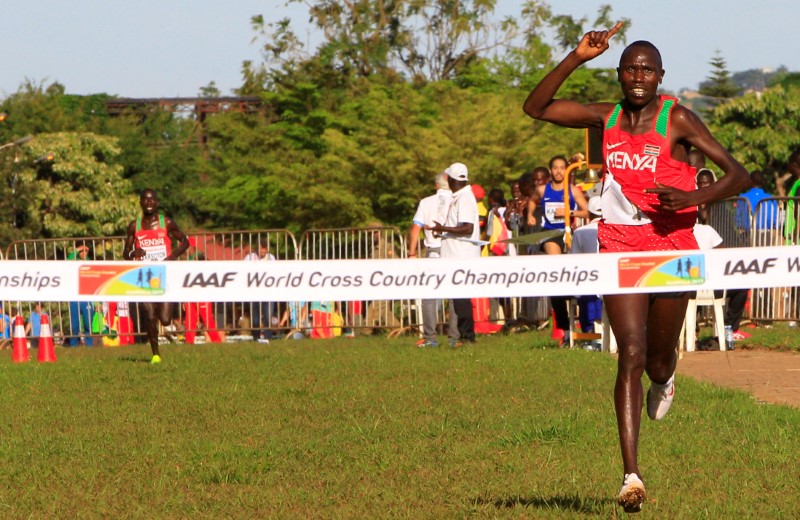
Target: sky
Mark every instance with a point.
(173, 48)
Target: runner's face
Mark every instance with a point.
(149, 203)
(639, 74)
(557, 171)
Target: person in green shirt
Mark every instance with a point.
(80, 313)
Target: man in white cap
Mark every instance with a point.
(460, 234)
(430, 210)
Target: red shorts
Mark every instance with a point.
(620, 238)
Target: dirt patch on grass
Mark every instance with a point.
(772, 377)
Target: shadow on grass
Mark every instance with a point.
(587, 505)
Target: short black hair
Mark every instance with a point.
(757, 178)
(642, 44)
(557, 158)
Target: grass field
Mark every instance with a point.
(373, 428)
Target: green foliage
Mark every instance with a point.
(761, 130)
(354, 131)
(787, 79)
(368, 153)
(161, 151)
(80, 192)
(719, 85)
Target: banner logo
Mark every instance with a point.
(122, 280)
(661, 271)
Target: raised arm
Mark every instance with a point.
(541, 103)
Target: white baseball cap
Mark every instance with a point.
(458, 171)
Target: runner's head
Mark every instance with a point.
(640, 72)
(148, 201)
(558, 167)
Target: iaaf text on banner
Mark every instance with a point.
(397, 279)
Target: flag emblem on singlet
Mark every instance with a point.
(651, 149)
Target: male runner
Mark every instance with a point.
(150, 239)
(649, 202)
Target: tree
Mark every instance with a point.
(719, 84)
(418, 40)
(64, 185)
(760, 129)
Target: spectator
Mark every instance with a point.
(429, 210)
(496, 228)
(516, 209)
(766, 215)
(790, 229)
(704, 177)
(196, 312)
(486, 321)
(33, 328)
(483, 213)
(535, 211)
(380, 313)
(261, 313)
(124, 323)
(697, 159)
(460, 233)
(296, 318)
(322, 319)
(735, 299)
(791, 179)
(5, 327)
(551, 198)
(191, 251)
(80, 313)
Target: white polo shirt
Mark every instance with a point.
(433, 209)
(463, 208)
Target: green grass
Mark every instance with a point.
(775, 336)
(373, 428)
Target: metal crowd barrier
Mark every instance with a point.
(773, 222)
(76, 322)
(367, 317)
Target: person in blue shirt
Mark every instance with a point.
(550, 197)
(766, 214)
(34, 326)
(5, 327)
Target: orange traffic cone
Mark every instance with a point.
(20, 344)
(47, 351)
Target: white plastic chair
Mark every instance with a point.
(704, 298)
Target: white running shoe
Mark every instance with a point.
(632, 494)
(659, 398)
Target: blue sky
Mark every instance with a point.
(171, 48)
